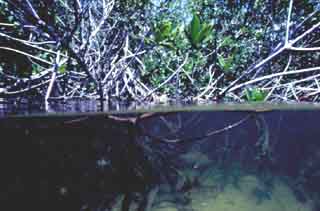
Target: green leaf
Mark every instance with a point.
(244, 30)
(248, 95)
(195, 27)
(35, 69)
(255, 95)
(221, 61)
(62, 69)
(225, 63)
(204, 33)
(227, 41)
(163, 31)
(166, 28)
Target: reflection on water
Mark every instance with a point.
(27, 107)
(229, 159)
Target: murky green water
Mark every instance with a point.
(214, 157)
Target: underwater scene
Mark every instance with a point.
(174, 160)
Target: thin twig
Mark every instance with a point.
(209, 134)
(27, 54)
(275, 75)
(278, 81)
(288, 22)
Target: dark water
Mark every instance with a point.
(216, 157)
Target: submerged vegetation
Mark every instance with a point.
(151, 51)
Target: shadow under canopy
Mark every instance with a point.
(79, 164)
